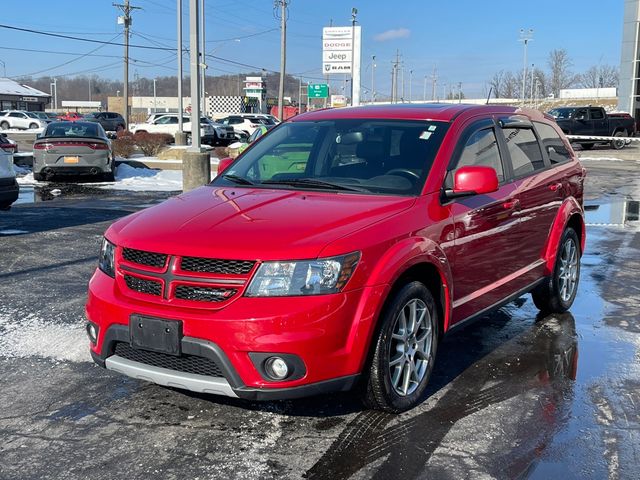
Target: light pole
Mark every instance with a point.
(155, 101)
(203, 64)
(526, 36)
(354, 13)
(531, 85)
(53, 88)
(373, 78)
(410, 82)
(181, 138)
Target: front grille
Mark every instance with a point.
(204, 294)
(214, 265)
(142, 285)
(184, 363)
(140, 257)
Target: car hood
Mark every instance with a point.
(252, 224)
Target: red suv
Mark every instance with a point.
(337, 251)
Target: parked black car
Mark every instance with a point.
(110, 121)
(594, 121)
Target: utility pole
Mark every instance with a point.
(394, 78)
(434, 79)
(526, 36)
(126, 20)
(181, 138)
(402, 83)
(283, 52)
(300, 95)
(459, 92)
(354, 13)
(89, 87)
(155, 98)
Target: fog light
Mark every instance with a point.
(92, 332)
(276, 368)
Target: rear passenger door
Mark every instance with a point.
(486, 227)
(539, 190)
(599, 122)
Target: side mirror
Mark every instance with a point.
(473, 180)
(224, 164)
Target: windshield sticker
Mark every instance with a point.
(425, 135)
(432, 128)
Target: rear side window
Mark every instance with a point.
(596, 114)
(481, 149)
(524, 150)
(553, 144)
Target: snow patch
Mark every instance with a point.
(28, 335)
(145, 179)
(12, 231)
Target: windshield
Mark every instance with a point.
(31, 114)
(72, 129)
(561, 112)
(364, 155)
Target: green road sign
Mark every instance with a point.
(318, 90)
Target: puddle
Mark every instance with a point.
(616, 213)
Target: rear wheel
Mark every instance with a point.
(587, 146)
(33, 125)
(404, 351)
(4, 125)
(557, 293)
(618, 144)
(38, 177)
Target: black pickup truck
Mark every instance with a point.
(594, 121)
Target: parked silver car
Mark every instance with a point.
(73, 148)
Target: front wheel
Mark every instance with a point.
(33, 126)
(557, 293)
(404, 351)
(4, 126)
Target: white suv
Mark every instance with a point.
(245, 124)
(20, 119)
(8, 186)
(210, 132)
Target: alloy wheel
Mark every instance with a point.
(568, 271)
(411, 347)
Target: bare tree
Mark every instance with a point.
(599, 76)
(511, 86)
(497, 84)
(560, 75)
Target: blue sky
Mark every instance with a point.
(466, 40)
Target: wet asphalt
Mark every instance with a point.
(515, 395)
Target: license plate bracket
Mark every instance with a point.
(155, 334)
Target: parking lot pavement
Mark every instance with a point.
(512, 396)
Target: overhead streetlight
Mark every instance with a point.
(526, 36)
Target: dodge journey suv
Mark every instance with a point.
(338, 250)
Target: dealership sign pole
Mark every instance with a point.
(340, 47)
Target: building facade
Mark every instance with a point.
(14, 96)
(629, 90)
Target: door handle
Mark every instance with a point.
(554, 187)
(511, 204)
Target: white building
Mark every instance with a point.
(629, 91)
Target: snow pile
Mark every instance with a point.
(27, 335)
(236, 144)
(23, 130)
(26, 179)
(145, 179)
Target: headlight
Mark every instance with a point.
(106, 261)
(303, 277)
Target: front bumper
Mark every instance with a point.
(330, 334)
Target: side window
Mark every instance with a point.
(553, 144)
(481, 149)
(596, 114)
(581, 114)
(524, 150)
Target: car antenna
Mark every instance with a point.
(489, 96)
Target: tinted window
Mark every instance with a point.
(346, 154)
(482, 149)
(76, 129)
(17, 115)
(524, 150)
(596, 114)
(552, 143)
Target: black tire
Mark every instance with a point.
(548, 296)
(5, 206)
(4, 126)
(618, 144)
(38, 177)
(108, 177)
(33, 125)
(587, 146)
(380, 392)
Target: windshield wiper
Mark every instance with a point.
(237, 179)
(312, 182)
